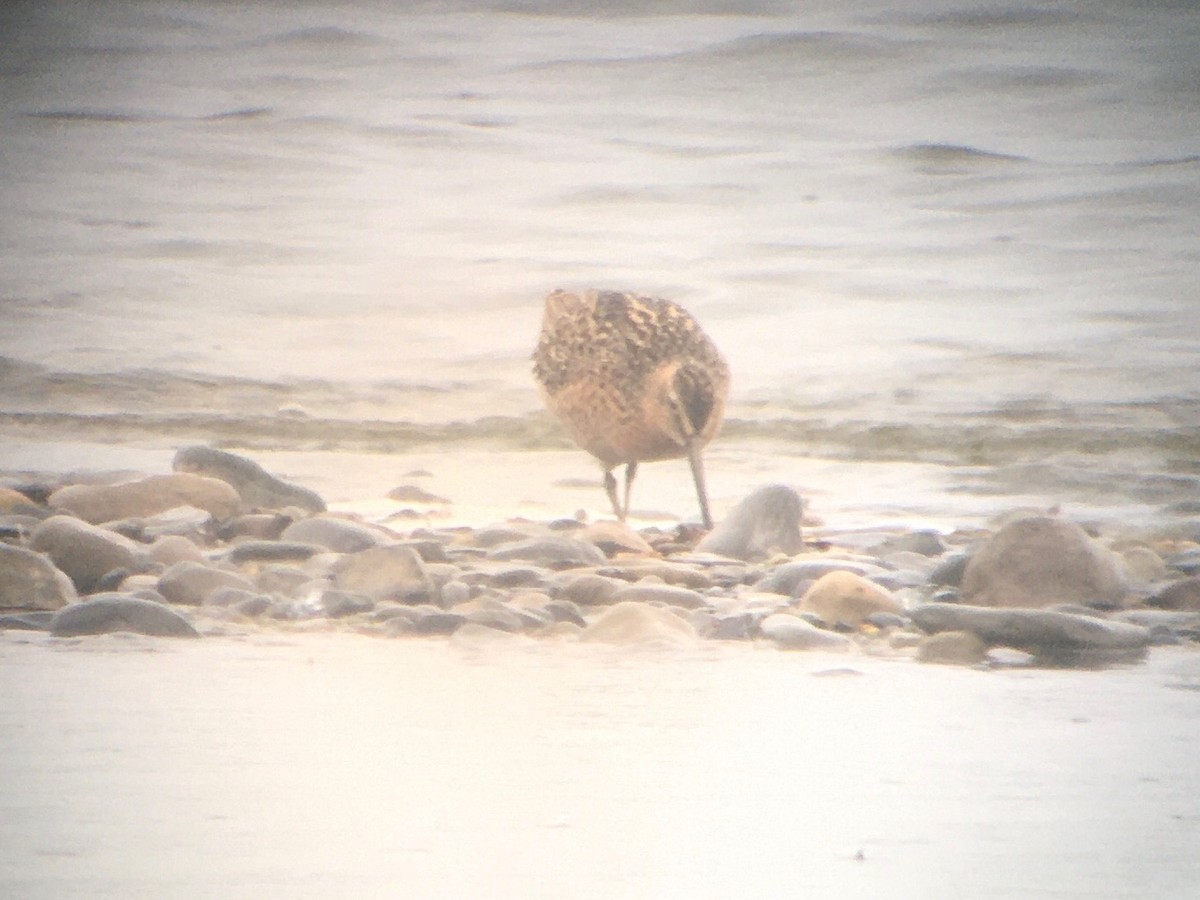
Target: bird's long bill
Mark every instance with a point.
(697, 463)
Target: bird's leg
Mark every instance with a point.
(630, 473)
(697, 464)
(610, 488)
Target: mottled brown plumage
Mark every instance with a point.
(633, 379)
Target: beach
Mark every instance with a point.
(321, 765)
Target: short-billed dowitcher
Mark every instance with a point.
(634, 379)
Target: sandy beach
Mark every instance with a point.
(327, 765)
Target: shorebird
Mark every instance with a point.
(633, 379)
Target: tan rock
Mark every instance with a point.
(28, 580)
(633, 623)
(148, 496)
(86, 553)
(843, 598)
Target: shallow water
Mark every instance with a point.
(956, 238)
(325, 765)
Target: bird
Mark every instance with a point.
(633, 379)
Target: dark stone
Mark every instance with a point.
(257, 487)
(29, 621)
(272, 551)
(949, 572)
(1031, 628)
(338, 604)
(333, 533)
(763, 524)
(106, 613)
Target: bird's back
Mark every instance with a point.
(599, 353)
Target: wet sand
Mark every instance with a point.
(334, 765)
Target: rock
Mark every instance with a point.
(590, 589)
(333, 533)
(15, 503)
(1186, 561)
(232, 596)
(190, 583)
(1144, 564)
(551, 552)
(949, 572)
(671, 573)
(384, 573)
(1008, 658)
(666, 594)
(793, 578)
(638, 624)
(959, 648)
(285, 581)
(493, 614)
(258, 488)
(30, 581)
(145, 497)
(1040, 561)
(264, 526)
(613, 537)
(339, 604)
(846, 599)
(272, 551)
(412, 493)
(172, 549)
(106, 613)
(923, 543)
(793, 633)
(763, 524)
(180, 520)
(86, 553)
(28, 621)
(1031, 629)
(1182, 595)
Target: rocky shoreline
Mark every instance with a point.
(220, 545)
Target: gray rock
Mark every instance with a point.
(190, 583)
(1187, 561)
(272, 551)
(232, 596)
(257, 487)
(282, 580)
(384, 573)
(29, 621)
(551, 552)
(1031, 629)
(925, 543)
(1040, 561)
(107, 613)
(339, 604)
(86, 553)
(333, 533)
(793, 633)
(28, 580)
(763, 524)
(1181, 595)
(949, 571)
